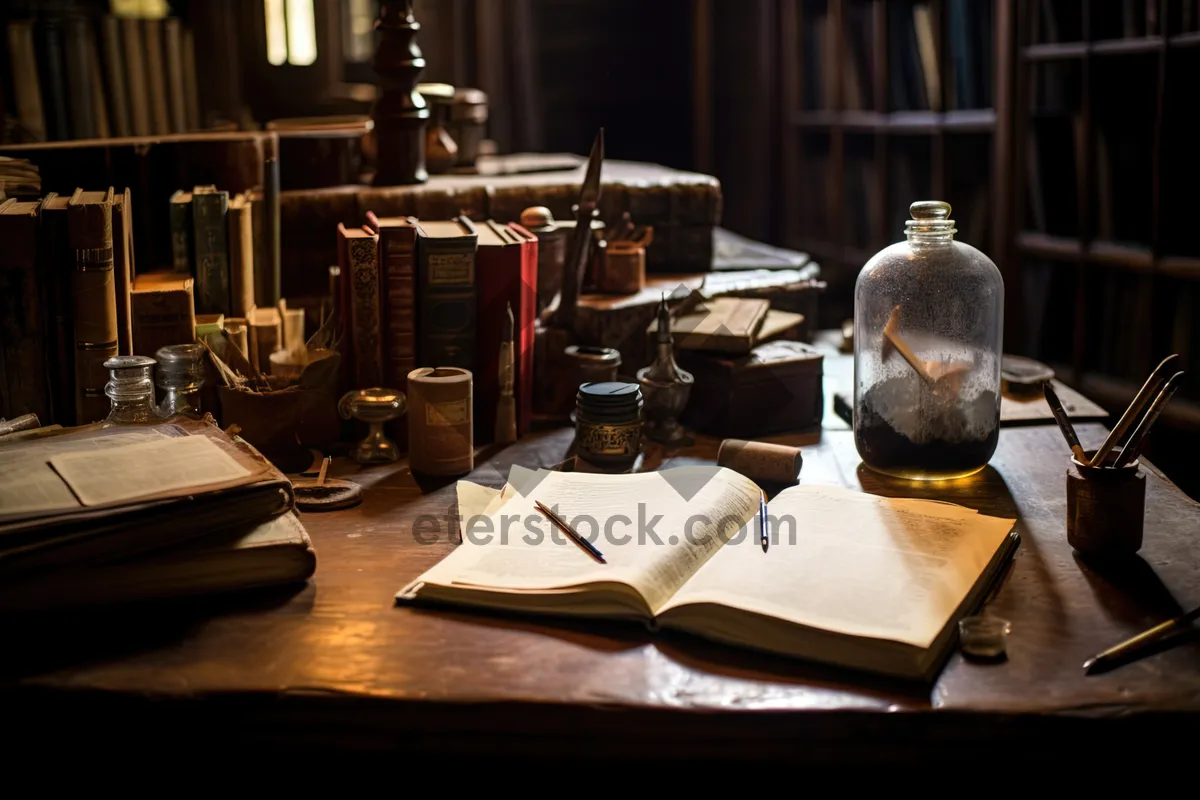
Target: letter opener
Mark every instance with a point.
(575, 264)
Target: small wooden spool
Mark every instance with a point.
(761, 461)
(1106, 509)
(440, 429)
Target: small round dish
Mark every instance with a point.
(984, 637)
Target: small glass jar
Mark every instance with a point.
(130, 390)
(180, 376)
(928, 339)
(608, 424)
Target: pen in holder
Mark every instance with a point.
(1105, 508)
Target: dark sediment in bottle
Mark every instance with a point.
(934, 442)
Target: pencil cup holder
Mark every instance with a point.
(1105, 509)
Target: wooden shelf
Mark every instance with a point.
(975, 120)
(1181, 40)
(1135, 258)
(1058, 51)
(1061, 248)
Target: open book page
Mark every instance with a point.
(118, 474)
(28, 485)
(652, 538)
(855, 564)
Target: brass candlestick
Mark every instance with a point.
(665, 387)
(375, 407)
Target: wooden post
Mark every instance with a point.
(400, 113)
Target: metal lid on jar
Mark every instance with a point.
(536, 217)
(610, 397)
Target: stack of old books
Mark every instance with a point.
(102, 515)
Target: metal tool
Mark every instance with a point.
(575, 265)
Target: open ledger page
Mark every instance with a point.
(651, 537)
(856, 564)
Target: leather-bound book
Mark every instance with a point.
(163, 312)
(94, 299)
(506, 275)
(359, 261)
(23, 389)
(57, 273)
(210, 239)
(446, 293)
(181, 233)
(241, 255)
(122, 216)
(397, 265)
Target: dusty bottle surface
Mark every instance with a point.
(928, 339)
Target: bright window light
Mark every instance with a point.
(277, 46)
(301, 33)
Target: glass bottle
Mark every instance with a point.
(928, 338)
(130, 390)
(180, 375)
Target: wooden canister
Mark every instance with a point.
(440, 431)
(623, 269)
(1106, 509)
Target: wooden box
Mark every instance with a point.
(777, 388)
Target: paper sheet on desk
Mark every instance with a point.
(29, 485)
(120, 474)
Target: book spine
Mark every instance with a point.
(362, 256)
(212, 256)
(79, 80)
(241, 258)
(122, 273)
(162, 317)
(181, 236)
(156, 72)
(54, 82)
(93, 290)
(26, 84)
(400, 283)
(446, 288)
(23, 385)
(175, 83)
(58, 263)
(114, 61)
(139, 92)
(524, 314)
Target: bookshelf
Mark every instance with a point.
(886, 102)
(1105, 167)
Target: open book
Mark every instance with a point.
(850, 579)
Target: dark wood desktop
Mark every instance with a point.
(335, 666)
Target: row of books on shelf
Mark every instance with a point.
(74, 297)
(82, 77)
(437, 293)
(864, 214)
(917, 79)
(1061, 20)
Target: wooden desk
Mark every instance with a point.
(336, 665)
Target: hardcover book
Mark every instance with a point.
(446, 292)
(863, 582)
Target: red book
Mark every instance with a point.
(506, 273)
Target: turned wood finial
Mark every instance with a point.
(400, 113)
